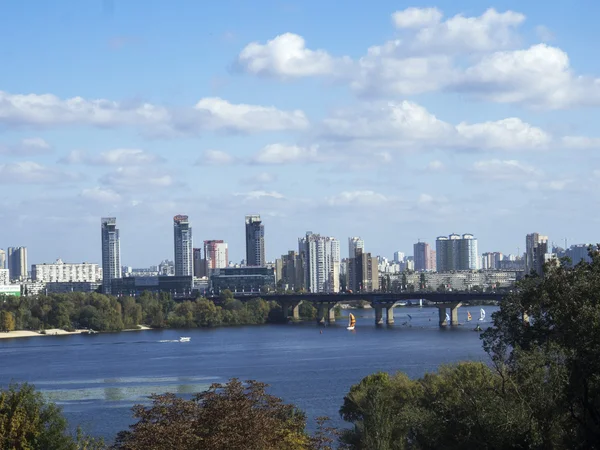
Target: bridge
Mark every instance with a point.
(379, 301)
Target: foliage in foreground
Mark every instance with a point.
(234, 416)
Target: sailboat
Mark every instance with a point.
(447, 318)
(351, 322)
(469, 316)
(481, 315)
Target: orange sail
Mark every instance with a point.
(352, 321)
(469, 316)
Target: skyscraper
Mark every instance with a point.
(17, 263)
(216, 255)
(456, 252)
(111, 252)
(183, 246)
(321, 262)
(422, 255)
(255, 241)
(354, 243)
(363, 272)
(536, 247)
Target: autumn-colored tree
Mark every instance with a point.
(7, 321)
(232, 416)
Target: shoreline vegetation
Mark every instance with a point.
(540, 390)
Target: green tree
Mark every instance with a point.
(422, 282)
(7, 321)
(232, 416)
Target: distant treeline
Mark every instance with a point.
(106, 313)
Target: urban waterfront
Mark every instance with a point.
(96, 379)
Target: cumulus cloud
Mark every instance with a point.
(101, 195)
(287, 56)
(215, 158)
(29, 172)
(417, 17)
(407, 125)
(209, 114)
(26, 147)
(136, 177)
(285, 154)
(114, 157)
(504, 170)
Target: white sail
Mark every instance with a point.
(447, 318)
(482, 314)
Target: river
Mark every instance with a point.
(96, 379)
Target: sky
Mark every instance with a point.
(391, 121)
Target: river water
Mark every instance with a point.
(96, 379)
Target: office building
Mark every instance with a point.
(17, 263)
(60, 272)
(243, 279)
(355, 243)
(321, 257)
(111, 252)
(199, 264)
(456, 252)
(255, 241)
(183, 245)
(399, 257)
(216, 255)
(363, 272)
(536, 248)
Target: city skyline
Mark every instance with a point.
(435, 118)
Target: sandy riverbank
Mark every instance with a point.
(51, 332)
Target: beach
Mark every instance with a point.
(51, 332)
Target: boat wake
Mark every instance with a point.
(169, 340)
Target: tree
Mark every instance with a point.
(7, 321)
(233, 416)
(422, 281)
(27, 421)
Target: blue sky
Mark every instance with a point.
(393, 122)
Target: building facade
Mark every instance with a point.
(17, 262)
(199, 263)
(363, 272)
(321, 256)
(422, 257)
(255, 241)
(456, 252)
(243, 279)
(2, 259)
(183, 245)
(4, 278)
(536, 248)
(216, 255)
(111, 252)
(355, 243)
(60, 272)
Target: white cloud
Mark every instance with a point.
(29, 172)
(285, 154)
(507, 134)
(26, 147)
(256, 195)
(417, 17)
(286, 56)
(504, 170)
(436, 166)
(101, 195)
(539, 76)
(114, 157)
(137, 177)
(209, 114)
(357, 198)
(215, 158)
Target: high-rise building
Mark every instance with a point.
(199, 263)
(491, 260)
(17, 263)
(399, 257)
(184, 265)
(111, 252)
(456, 252)
(2, 259)
(4, 278)
(363, 272)
(255, 241)
(536, 248)
(216, 255)
(422, 257)
(432, 261)
(355, 243)
(321, 262)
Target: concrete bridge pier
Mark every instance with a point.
(442, 316)
(291, 309)
(453, 313)
(389, 312)
(331, 312)
(321, 313)
(378, 314)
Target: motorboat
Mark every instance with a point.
(184, 339)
